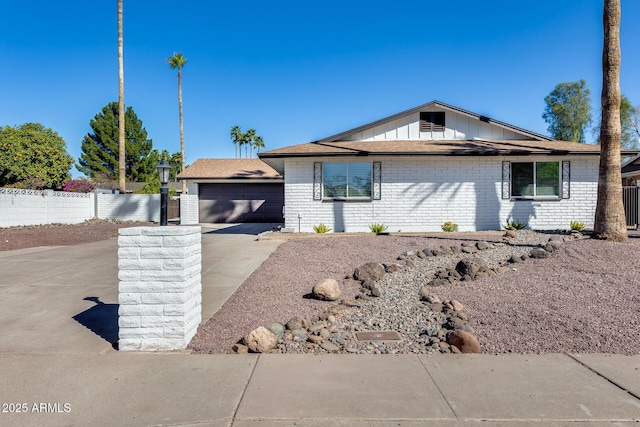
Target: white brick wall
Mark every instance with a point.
(160, 287)
(420, 193)
(189, 209)
(129, 207)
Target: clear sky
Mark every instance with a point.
(298, 71)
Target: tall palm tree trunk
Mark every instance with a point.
(121, 133)
(182, 167)
(610, 222)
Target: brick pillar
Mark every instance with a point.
(160, 288)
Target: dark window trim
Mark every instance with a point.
(537, 198)
(353, 198)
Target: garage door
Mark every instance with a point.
(241, 202)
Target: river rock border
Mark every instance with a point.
(401, 296)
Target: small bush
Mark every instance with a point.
(449, 227)
(378, 228)
(321, 228)
(514, 224)
(576, 225)
(31, 183)
(78, 186)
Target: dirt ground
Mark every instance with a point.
(13, 238)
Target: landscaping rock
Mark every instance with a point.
(261, 340)
(469, 249)
(511, 234)
(276, 328)
(427, 252)
(464, 341)
(240, 349)
(483, 246)
(370, 272)
(438, 282)
(297, 323)
(515, 259)
(327, 290)
(471, 267)
(539, 253)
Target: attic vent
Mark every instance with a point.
(432, 121)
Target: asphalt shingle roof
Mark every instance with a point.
(229, 169)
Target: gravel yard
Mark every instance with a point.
(584, 298)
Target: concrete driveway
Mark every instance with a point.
(65, 299)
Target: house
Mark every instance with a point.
(631, 171)
(434, 163)
(235, 190)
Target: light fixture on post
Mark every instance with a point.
(164, 171)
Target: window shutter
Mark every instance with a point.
(377, 180)
(317, 181)
(506, 180)
(566, 179)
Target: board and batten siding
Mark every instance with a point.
(457, 127)
(419, 194)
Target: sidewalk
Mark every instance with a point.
(117, 389)
(57, 312)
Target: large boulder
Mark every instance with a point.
(327, 290)
(472, 267)
(464, 341)
(261, 340)
(370, 272)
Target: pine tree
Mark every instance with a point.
(99, 158)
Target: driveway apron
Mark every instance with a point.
(65, 299)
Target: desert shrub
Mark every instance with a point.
(32, 183)
(78, 186)
(449, 227)
(321, 228)
(378, 228)
(514, 224)
(576, 225)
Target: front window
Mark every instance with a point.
(346, 180)
(535, 179)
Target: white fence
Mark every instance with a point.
(20, 207)
(128, 207)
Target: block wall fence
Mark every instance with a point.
(19, 207)
(160, 289)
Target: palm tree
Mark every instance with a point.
(121, 134)
(178, 61)
(236, 137)
(257, 143)
(248, 140)
(610, 222)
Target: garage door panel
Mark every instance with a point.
(241, 202)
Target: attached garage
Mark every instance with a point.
(241, 202)
(236, 190)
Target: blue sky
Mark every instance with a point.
(298, 71)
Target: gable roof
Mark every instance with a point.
(440, 105)
(229, 169)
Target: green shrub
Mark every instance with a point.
(378, 228)
(514, 224)
(321, 228)
(449, 227)
(576, 225)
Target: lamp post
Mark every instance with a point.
(164, 170)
